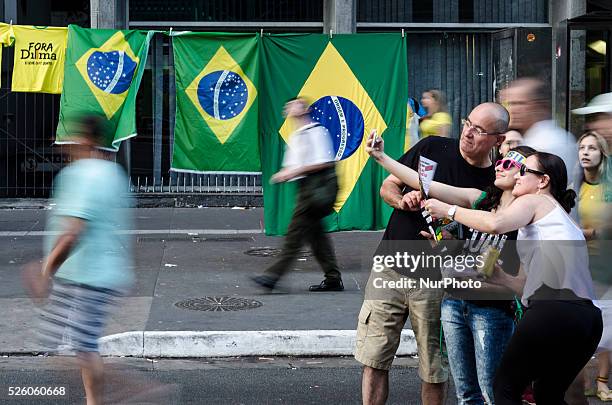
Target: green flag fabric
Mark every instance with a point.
(355, 83)
(216, 102)
(102, 74)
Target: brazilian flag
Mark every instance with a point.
(102, 74)
(216, 102)
(355, 83)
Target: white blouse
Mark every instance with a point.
(554, 253)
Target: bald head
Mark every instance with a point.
(487, 123)
(498, 117)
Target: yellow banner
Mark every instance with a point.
(40, 53)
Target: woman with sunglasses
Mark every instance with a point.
(477, 324)
(561, 327)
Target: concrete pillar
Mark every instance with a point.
(560, 12)
(108, 14)
(340, 16)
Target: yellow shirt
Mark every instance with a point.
(431, 126)
(592, 211)
(40, 53)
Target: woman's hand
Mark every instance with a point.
(499, 276)
(375, 146)
(437, 208)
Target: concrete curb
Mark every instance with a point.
(239, 343)
(157, 200)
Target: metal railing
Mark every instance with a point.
(196, 183)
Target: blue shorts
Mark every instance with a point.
(75, 316)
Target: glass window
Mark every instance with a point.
(226, 10)
(452, 11)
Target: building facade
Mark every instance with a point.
(467, 48)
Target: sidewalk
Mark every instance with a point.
(201, 254)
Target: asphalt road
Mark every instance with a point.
(206, 381)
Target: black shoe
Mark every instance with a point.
(264, 281)
(328, 285)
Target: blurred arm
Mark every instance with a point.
(64, 245)
(303, 170)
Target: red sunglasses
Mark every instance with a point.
(508, 164)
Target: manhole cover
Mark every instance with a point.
(218, 304)
(269, 251)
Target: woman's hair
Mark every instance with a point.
(553, 166)
(493, 194)
(602, 145)
(440, 98)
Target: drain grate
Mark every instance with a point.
(218, 304)
(269, 251)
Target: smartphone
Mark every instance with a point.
(376, 140)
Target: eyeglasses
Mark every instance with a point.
(525, 169)
(508, 164)
(479, 131)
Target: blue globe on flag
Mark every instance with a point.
(222, 94)
(111, 72)
(343, 120)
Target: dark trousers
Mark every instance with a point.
(306, 227)
(552, 343)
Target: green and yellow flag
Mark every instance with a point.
(216, 102)
(40, 54)
(102, 75)
(355, 84)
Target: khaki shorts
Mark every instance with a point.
(381, 321)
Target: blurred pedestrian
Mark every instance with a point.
(309, 160)
(512, 140)
(529, 102)
(438, 120)
(414, 112)
(88, 263)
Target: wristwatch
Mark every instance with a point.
(451, 212)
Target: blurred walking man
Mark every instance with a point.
(529, 104)
(87, 266)
(309, 160)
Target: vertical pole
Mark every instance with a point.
(158, 105)
(171, 104)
